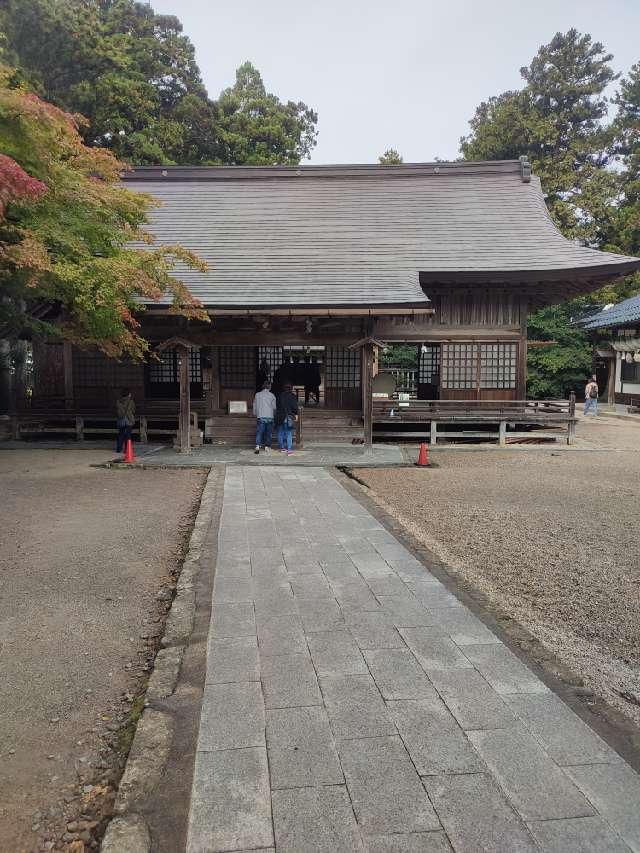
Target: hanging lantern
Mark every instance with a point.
(628, 358)
(636, 356)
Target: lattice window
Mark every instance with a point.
(342, 368)
(273, 355)
(96, 370)
(166, 370)
(630, 372)
(429, 364)
(459, 366)
(238, 366)
(498, 365)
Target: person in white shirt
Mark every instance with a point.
(264, 408)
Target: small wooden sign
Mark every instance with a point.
(237, 407)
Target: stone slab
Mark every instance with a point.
(385, 790)
(398, 674)
(230, 808)
(584, 834)
(565, 737)
(433, 738)
(355, 707)
(433, 594)
(232, 716)
(228, 590)
(281, 635)
(318, 616)
(289, 681)
(405, 612)
(232, 659)
(232, 620)
(301, 749)
(318, 819)
(502, 669)
(471, 700)
(536, 786)
(372, 629)
(389, 584)
(336, 653)
(434, 650)
(477, 816)
(461, 625)
(614, 789)
(414, 842)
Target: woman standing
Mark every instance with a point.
(126, 411)
(286, 417)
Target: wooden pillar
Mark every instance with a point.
(367, 394)
(214, 400)
(67, 363)
(5, 377)
(521, 373)
(611, 381)
(184, 421)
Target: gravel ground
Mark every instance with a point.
(551, 538)
(87, 557)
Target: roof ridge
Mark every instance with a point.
(352, 170)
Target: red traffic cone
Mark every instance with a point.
(128, 452)
(423, 456)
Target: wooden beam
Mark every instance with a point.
(306, 312)
(184, 422)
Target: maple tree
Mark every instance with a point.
(75, 257)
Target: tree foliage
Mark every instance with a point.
(66, 228)
(133, 75)
(589, 171)
(390, 158)
(255, 128)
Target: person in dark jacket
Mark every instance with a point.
(126, 413)
(286, 417)
(312, 381)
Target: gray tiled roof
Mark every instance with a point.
(360, 235)
(618, 315)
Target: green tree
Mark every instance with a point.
(390, 158)
(255, 128)
(133, 75)
(624, 234)
(124, 68)
(67, 264)
(558, 120)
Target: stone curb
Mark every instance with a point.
(128, 832)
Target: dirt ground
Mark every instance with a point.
(549, 537)
(87, 563)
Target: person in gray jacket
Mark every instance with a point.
(264, 408)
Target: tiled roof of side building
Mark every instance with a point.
(617, 315)
(361, 235)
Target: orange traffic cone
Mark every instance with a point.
(128, 452)
(423, 456)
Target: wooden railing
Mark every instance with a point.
(405, 378)
(506, 415)
(81, 426)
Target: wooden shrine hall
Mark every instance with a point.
(322, 265)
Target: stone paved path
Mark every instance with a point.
(353, 704)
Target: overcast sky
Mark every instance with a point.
(406, 74)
